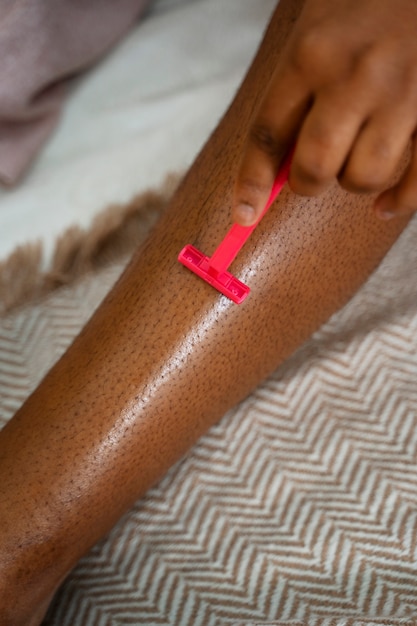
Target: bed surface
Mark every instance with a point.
(143, 112)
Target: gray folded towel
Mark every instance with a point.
(43, 44)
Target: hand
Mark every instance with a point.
(346, 88)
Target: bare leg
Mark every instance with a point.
(165, 355)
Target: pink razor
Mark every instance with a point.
(214, 269)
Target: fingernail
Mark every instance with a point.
(385, 214)
(245, 212)
(383, 209)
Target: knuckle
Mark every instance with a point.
(314, 170)
(374, 173)
(262, 136)
(362, 181)
(374, 66)
(350, 185)
(314, 166)
(253, 192)
(390, 75)
(307, 183)
(354, 181)
(313, 51)
(253, 188)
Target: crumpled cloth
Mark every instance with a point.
(43, 44)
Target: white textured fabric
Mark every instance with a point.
(43, 44)
(144, 111)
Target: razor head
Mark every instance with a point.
(224, 282)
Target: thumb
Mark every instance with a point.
(256, 176)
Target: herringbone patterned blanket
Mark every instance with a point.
(299, 508)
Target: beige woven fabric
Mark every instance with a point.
(298, 509)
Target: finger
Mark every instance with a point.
(255, 180)
(401, 199)
(378, 150)
(269, 139)
(326, 137)
(349, 134)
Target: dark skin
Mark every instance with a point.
(165, 356)
(346, 86)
